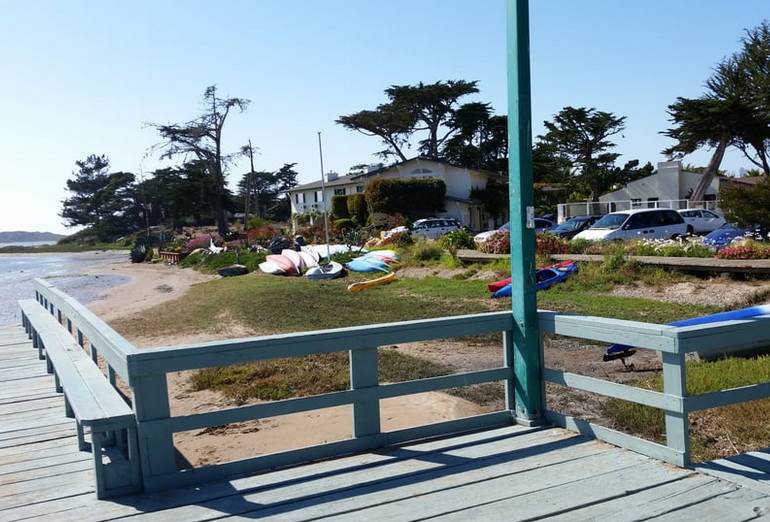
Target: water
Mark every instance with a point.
(66, 271)
(28, 243)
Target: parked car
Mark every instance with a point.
(701, 221)
(428, 228)
(573, 226)
(728, 232)
(636, 224)
(541, 225)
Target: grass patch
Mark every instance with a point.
(741, 427)
(210, 263)
(302, 376)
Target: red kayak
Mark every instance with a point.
(494, 287)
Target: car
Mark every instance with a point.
(573, 226)
(701, 221)
(541, 225)
(728, 232)
(428, 228)
(636, 224)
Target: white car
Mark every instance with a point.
(541, 225)
(701, 221)
(428, 228)
(636, 224)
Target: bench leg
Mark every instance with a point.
(96, 450)
(57, 383)
(82, 444)
(35, 339)
(133, 457)
(40, 348)
(48, 365)
(68, 408)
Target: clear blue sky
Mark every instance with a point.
(82, 77)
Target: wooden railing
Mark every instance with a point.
(145, 371)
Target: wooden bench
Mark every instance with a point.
(91, 400)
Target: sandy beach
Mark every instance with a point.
(152, 285)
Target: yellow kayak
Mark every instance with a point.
(363, 285)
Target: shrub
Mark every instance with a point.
(546, 244)
(344, 224)
(457, 239)
(313, 233)
(340, 207)
(414, 197)
(261, 235)
(747, 251)
(401, 239)
(498, 243)
(358, 209)
(427, 251)
(689, 247)
(747, 205)
(256, 222)
(139, 251)
(197, 242)
(578, 246)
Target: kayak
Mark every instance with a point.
(312, 253)
(295, 258)
(367, 264)
(232, 270)
(619, 351)
(270, 267)
(308, 259)
(494, 287)
(363, 285)
(329, 270)
(545, 278)
(284, 262)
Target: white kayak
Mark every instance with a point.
(308, 258)
(269, 267)
(327, 271)
(312, 253)
(295, 258)
(322, 250)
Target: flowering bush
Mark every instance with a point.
(546, 244)
(197, 242)
(261, 235)
(498, 243)
(748, 250)
(457, 239)
(682, 247)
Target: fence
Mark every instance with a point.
(145, 371)
(596, 208)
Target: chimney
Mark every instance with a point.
(331, 175)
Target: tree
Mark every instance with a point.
(734, 111)
(263, 189)
(747, 206)
(201, 138)
(581, 137)
(101, 199)
(480, 140)
(412, 108)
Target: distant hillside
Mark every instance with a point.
(21, 236)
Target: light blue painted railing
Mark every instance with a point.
(144, 371)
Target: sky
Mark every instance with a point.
(85, 77)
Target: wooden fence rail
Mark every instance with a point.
(144, 371)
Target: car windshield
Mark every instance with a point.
(729, 226)
(569, 225)
(611, 221)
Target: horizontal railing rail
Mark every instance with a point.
(83, 323)
(145, 372)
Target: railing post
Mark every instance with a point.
(364, 374)
(510, 384)
(677, 424)
(150, 401)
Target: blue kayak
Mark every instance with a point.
(546, 278)
(367, 264)
(617, 351)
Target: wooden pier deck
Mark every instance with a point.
(512, 473)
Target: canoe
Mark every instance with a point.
(308, 259)
(269, 267)
(363, 285)
(232, 270)
(284, 262)
(367, 264)
(497, 285)
(295, 258)
(329, 270)
(619, 351)
(546, 278)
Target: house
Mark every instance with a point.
(310, 197)
(670, 187)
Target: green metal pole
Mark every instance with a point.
(527, 357)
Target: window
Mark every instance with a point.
(299, 197)
(421, 171)
(319, 196)
(635, 202)
(637, 221)
(709, 215)
(359, 188)
(339, 191)
(690, 213)
(652, 202)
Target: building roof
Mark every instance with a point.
(352, 178)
